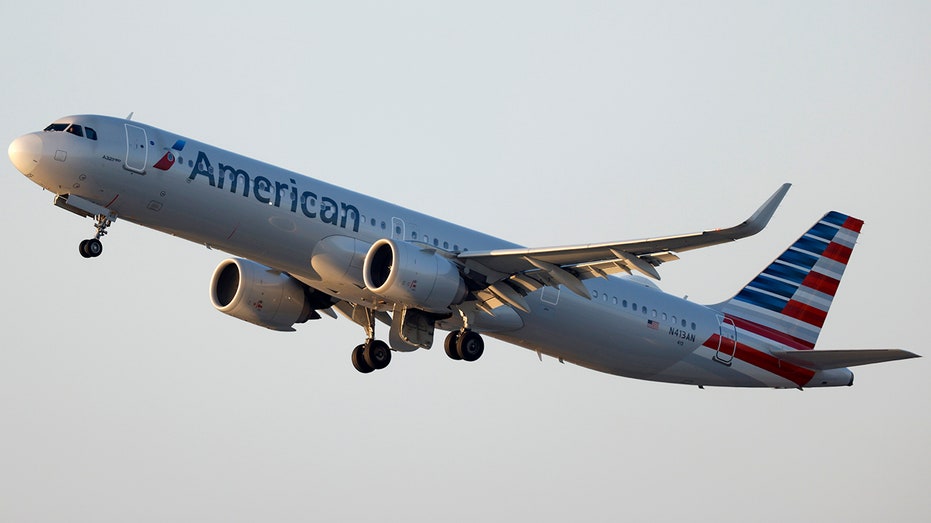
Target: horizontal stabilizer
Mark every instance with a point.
(838, 359)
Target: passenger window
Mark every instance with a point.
(91, 134)
(665, 317)
(653, 313)
(683, 322)
(436, 243)
(595, 294)
(694, 326)
(624, 304)
(644, 310)
(397, 229)
(615, 300)
(383, 226)
(633, 306)
(413, 235)
(75, 130)
(446, 245)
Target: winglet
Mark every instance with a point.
(760, 218)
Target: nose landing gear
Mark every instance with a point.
(93, 247)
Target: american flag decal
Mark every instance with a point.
(653, 324)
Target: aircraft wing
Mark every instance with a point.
(838, 359)
(529, 269)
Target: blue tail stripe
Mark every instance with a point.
(781, 270)
(823, 231)
(762, 300)
(765, 283)
(836, 218)
(811, 245)
(805, 261)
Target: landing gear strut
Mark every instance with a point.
(373, 354)
(93, 248)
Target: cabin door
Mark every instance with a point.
(727, 341)
(137, 150)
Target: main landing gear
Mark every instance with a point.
(93, 248)
(373, 354)
(464, 345)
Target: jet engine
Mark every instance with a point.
(413, 276)
(260, 295)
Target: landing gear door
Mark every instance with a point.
(136, 149)
(727, 341)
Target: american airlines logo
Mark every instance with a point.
(269, 192)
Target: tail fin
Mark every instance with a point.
(788, 302)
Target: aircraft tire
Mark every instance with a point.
(93, 248)
(450, 345)
(470, 346)
(83, 249)
(377, 354)
(358, 360)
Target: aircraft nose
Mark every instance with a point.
(25, 153)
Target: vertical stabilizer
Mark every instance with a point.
(788, 302)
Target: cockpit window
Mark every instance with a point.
(74, 129)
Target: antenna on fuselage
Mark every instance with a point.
(130, 116)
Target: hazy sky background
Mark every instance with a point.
(125, 397)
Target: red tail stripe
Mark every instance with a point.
(798, 375)
(806, 313)
(821, 283)
(853, 224)
(771, 334)
(838, 252)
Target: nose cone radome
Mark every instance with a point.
(25, 153)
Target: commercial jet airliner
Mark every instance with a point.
(303, 246)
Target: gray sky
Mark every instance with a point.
(125, 397)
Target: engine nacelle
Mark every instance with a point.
(260, 295)
(412, 276)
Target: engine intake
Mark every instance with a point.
(412, 276)
(260, 295)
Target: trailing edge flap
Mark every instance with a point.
(594, 260)
(838, 359)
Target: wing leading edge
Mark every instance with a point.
(530, 269)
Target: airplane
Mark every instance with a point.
(303, 247)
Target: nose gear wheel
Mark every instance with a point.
(93, 247)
